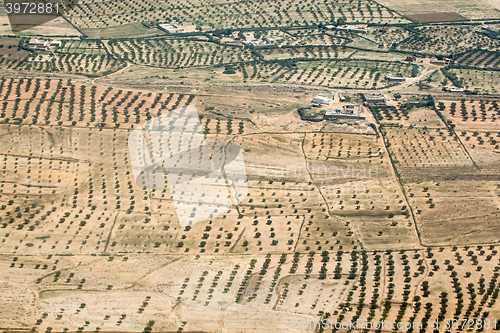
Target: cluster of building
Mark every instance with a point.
(248, 38)
(434, 61)
(233, 39)
(348, 111)
(185, 27)
(348, 28)
(43, 45)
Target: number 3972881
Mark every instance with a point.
(31, 8)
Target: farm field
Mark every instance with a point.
(226, 15)
(383, 39)
(76, 294)
(58, 27)
(481, 9)
(442, 39)
(320, 52)
(480, 80)
(446, 180)
(307, 37)
(416, 117)
(73, 63)
(414, 148)
(483, 148)
(436, 17)
(471, 114)
(467, 206)
(348, 74)
(274, 166)
(177, 53)
(10, 53)
(479, 58)
(130, 30)
(318, 232)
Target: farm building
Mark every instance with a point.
(395, 78)
(56, 43)
(169, 28)
(323, 99)
(374, 98)
(330, 27)
(204, 28)
(442, 62)
(353, 28)
(248, 36)
(38, 44)
(233, 42)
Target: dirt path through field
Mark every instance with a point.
(397, 181)
(412, 80)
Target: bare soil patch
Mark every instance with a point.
(436, 17)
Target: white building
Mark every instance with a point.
(56, 43)
(38, 44)
(169, 28)
(248, 36)
(323, 99)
